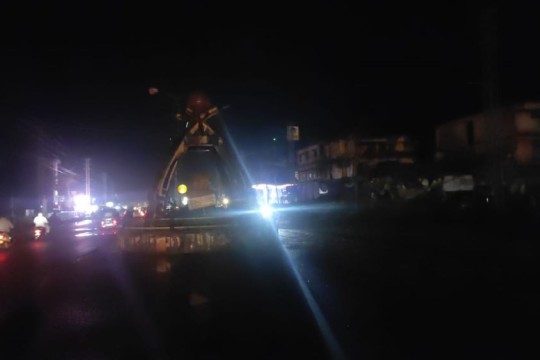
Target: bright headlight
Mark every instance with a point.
(266, 211)
(226, 201)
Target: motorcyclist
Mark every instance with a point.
(41, 221)
(5, 225)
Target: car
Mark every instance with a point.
(104, 222)
(107, 218)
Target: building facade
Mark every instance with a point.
(335, 166)
(310, 162)
(501, 150)
(510, 133)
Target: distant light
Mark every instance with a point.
(266, 211)
(109, 204)
(81, 203)
(153, 91)
(182, 188)
(226, 201)
(274, 139)
(185, 200)
(270, 186)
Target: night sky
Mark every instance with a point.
(80, 72)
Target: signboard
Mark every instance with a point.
(293, 133)
(173, 242)
(200, 202)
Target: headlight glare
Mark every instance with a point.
(266, 211)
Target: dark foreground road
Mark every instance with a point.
(422, 285)
(82, 299)
(368, 288)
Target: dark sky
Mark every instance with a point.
(81, 71)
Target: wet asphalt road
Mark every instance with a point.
(421, 285)
(82, 299)
(329, 286)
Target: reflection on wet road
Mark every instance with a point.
(76, 298)
(295, 238)
(380, 291)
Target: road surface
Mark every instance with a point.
(328, 286)
(81, 298)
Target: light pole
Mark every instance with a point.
(56, 164)
(87, 176)
(105, 187)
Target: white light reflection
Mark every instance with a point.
(326, 332)
(83, 222)
(322, 323)
(84, 234)
(335, 348)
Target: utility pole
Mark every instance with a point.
(40, 165)
(491, 100)
(105, 189)
(87, 176)
(56, 182)
(12, 207)
(489, 58)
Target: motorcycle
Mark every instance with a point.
(39, 232)
(5, 240)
